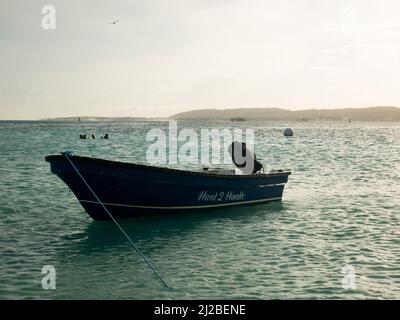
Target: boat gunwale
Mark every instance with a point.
(49, 158)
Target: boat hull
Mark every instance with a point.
(129, 190)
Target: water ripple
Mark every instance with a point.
(341, 207)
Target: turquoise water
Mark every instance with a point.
(341, 207)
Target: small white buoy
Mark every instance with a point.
(288, 132)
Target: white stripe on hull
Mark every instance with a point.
(186, 207)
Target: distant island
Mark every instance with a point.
(77, 119)
(279, 114)
(273, 114)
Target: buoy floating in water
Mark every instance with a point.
(288, 132)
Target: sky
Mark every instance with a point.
(169, 56)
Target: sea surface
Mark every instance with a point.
(335, 235)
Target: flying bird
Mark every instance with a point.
(113, 22)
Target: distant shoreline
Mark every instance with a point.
(369, 114)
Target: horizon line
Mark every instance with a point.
(214, 108)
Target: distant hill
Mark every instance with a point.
(356, 114)
(76, 119)
(276, 114)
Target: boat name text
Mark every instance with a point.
(221, 196)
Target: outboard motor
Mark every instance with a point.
(243, 158)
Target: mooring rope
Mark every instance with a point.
(67, 154)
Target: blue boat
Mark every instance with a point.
(129, 190)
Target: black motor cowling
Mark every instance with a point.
(243, 158)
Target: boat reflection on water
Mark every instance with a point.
(164, 231)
